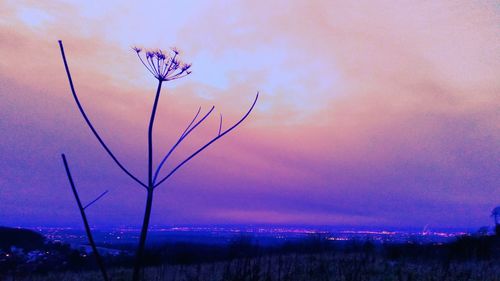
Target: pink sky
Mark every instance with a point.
(371, 113)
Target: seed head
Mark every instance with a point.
(185, 66)
(163, 65)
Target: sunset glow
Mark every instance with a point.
(370, 114)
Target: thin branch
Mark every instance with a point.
(192, 121)
(95, 200)
(186, 132)
(172, 62)
(152, 64)
(209, 143)
(140, 58)
(177, 76)
(220, 124)
(150, 135)
(88, 121)
(85, 221)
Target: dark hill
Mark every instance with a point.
(21, 238)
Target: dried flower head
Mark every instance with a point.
(163, 65)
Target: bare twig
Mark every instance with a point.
(88, 121)
(186, 132)
(95, 200)
(220, 124)
(192, 121)
(85, 221)
(209, 143)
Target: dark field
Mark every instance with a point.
(467, 258)
(303, 267)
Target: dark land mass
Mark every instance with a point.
(311, 258)
(20, 238)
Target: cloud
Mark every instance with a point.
(371, 113)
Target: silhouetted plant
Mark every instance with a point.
(164, 66)
(495, 213)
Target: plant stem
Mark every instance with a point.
(150, 137)
(87, 120)
(142, 239)
(149, 200)
(85, 222)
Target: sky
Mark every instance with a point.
(371, 113)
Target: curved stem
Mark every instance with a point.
(88, 121)
(186, 132)
(209, 143)
(220, 124)
(140, 58)
(99, 261)
(171, 149)
(150, 135)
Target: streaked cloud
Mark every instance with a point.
(372, 113)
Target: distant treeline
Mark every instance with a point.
(464, 248)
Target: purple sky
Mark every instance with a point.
(374, 114)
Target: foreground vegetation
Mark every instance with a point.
(304, 267)
(468, 258)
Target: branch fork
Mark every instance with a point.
(164, 66)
